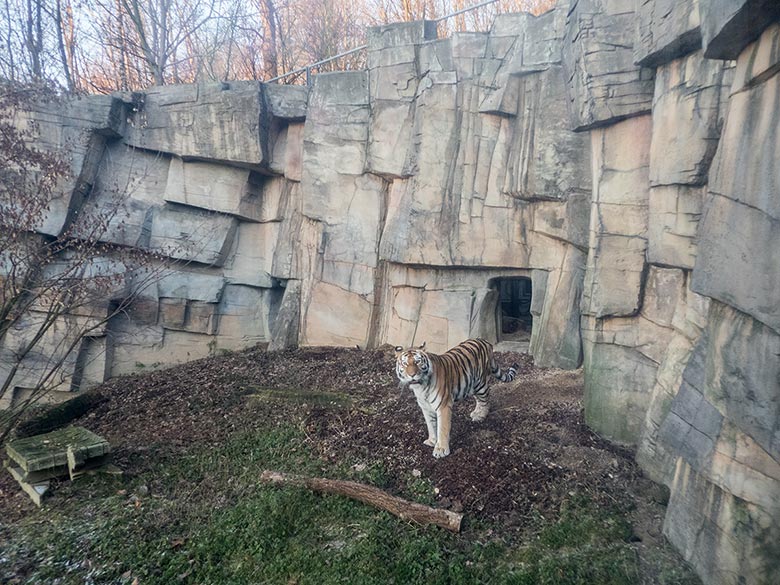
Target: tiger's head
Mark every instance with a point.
(412, 366)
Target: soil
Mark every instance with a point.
(531, 453)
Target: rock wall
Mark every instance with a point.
(621, 154)
(680, 331)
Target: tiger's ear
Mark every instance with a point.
(398, 349)
(422, 346)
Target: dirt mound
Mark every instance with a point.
(531, 453)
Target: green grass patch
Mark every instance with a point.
(208, 520)
(587, 544)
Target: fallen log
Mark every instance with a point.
(367, 494)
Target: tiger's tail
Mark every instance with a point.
(507, 376)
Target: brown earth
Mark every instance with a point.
(532, 453)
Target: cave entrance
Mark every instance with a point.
(513, 313)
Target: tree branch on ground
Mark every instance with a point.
(371, 495)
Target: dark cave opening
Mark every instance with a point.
(513, 312)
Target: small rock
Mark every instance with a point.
(416, 472)
(142, 491)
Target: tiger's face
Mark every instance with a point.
(412, 366)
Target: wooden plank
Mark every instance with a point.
(78, 465)
(36, 491)
(50, 450)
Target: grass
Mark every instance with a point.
(585, 545)
(203, 518)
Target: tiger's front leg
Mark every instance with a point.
(443, 420)
(430, 421)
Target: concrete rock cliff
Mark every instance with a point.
(620, 155)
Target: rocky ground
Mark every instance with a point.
(531, 454)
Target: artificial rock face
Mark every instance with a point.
(598, 150)
(680, 345)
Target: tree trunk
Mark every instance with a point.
(367, 494)
(270, 55)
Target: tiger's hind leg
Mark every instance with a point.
(482, 407)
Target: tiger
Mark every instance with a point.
(439, 380)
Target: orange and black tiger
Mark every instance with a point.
(439, 380)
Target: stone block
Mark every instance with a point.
(546, 160)
(543, 39)
(654, 456)
(129, 186)
(744, 239)
(214, 187)
(614, 277)
(185, 346)
(286, 324)
(664, 292)
(217, 121)
(249, 262)
(636, 333)
(539, 280)
(191, 285)
(728, 26)
(134, 347)
(287, 102)
(688, 110)
(335, 316)
(740, 225)
(399, 34)
(555, 335)
(405, 304)
(144, 308)
(618, 233)
(92, 363)
(437, 326)
(202, 317)
(618, 385)
(666, 30)
(293, 156)
(692, 427)
(102, 114)
(298, 247)
(744, 167)
(468, 52)
(604, 85)
(53, 359)
(760, 60)
(390, 137)
(184, 234)
(674, 214)
(173, 312)
(69, 129)
(336, 134)
(483, 323)
(741, 374)
(243, 317)
(727, 540)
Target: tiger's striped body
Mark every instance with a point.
(438, 381)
